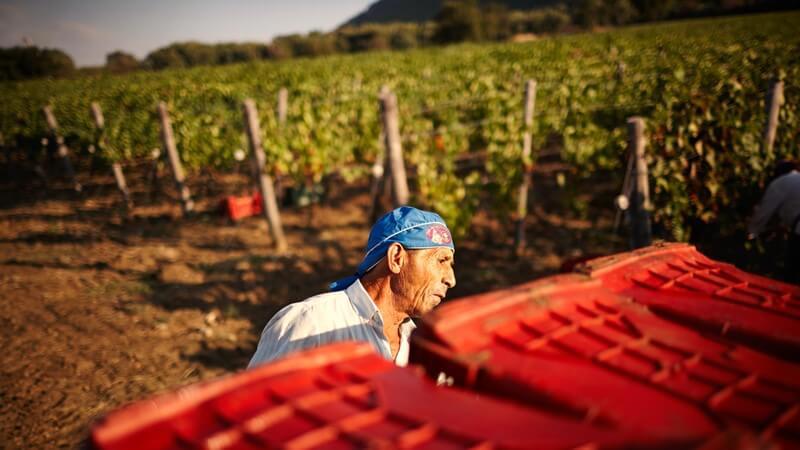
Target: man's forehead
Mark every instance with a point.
(436, 251)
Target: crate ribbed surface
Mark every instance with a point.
(569, 344)
(678, 282)
(341, 396)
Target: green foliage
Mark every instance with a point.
(351, 39)
(191, 54)
(457, 21)
(590, 13)
(19, 63)
(381, 37)
(121, 62)
(655, 9)
(495, 22)
(700, 85)
(547, 20)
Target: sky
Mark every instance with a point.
(87, 30)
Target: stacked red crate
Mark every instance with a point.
(680, 283)
(568, 344)
(338, 396)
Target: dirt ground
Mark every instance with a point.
(99, 308)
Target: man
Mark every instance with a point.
(782, 196)
(406, 271)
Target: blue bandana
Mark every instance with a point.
(410, 227)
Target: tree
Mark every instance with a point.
(458, 20)
(588, 13)
(377, 37)
(190, 54)
(235, 53)
(547, 20)
(496, 23)
(121, 62)
(18, 63)
(279, 49)
(553, 20)
(620, 12)
(591, 13)
(655, 9)
(163, 58)
(197, 54)
(319, 43)
(404, 36)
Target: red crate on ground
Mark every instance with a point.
(237, 208)
(568, 344)
(678, 282)
(338, 396)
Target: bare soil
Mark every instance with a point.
(99, 307)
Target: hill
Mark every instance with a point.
(385, 11)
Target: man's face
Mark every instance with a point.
(424, 280)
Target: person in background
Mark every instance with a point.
(406, 271)
(782, 197)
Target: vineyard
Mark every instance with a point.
(106, 305)
(700, 86)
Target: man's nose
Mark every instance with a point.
(450, 278)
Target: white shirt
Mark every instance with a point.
(349, 315)
(783, 196)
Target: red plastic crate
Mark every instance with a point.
(237, 208)
(338, 396)
(569, 345)
(678, 282)
(736, 439)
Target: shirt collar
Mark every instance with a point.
(363, 303)
(406, 327)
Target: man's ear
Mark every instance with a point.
(396, 257)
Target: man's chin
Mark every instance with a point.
(434, 302)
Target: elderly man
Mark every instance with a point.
(406, 271)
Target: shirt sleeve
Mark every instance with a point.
(766, 208)
(290, 330)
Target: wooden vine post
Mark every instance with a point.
(774, 101)
(394, 147)
(268, 201)
(640, 191)
(119, 176)
(527, 167)
(168, 141)
(6, 155)
(620, 72)
(153, 172)
(62, 149)
(283, 107)
(97, 115)
(378, 184)
(622, 201)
